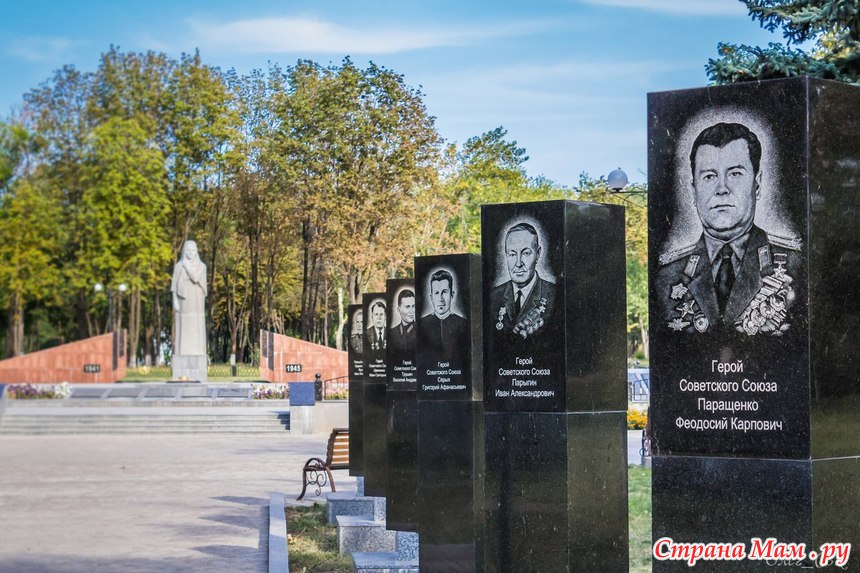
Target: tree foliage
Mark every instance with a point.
(832, 25)
(304, 187)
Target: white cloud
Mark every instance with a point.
(38, 48)
(680, 7)
(541, 89)
(309, 34)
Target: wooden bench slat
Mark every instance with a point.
(336, 458)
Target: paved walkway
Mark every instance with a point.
(158, 503)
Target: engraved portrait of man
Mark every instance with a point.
(375, 343)
(356, 336)
(735, 276)
(523, 304)
(401, 336)
(443, 329)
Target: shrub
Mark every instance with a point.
(636, 419)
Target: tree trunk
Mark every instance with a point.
(255, 284)
(303, 308)
(341, 320)
(325, 314)
(646, 343)
(133, 326)
(15, 332)
(270, 291)
(82, 316)
(159, 329)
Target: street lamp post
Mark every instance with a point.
(121, 288)
(99, 287)
(617, 181)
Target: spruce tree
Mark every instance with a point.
(833, 26)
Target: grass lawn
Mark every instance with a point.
(639, 517)
(313, 543)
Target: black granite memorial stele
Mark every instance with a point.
(754, 257)
(401, 510)
(355, 352)
(554, 387)
(450, 413)
(375, 442)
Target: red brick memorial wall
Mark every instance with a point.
(96, 360)
(286, 359)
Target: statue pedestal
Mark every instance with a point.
(193, 367)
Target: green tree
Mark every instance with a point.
(31, 237)
(832, 25)
(351, 149)
(122, 216)
(489, 168)
(636, 246)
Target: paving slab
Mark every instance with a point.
(130, 503)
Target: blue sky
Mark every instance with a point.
(567, 78)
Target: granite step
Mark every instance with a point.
(349, 504)
(73, 422)
(376, 562)
(360, 534)
(404, 558)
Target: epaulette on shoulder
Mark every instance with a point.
(674, 255)
(791, 243)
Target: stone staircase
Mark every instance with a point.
(361, 532)
(147, 409)
(32, 421)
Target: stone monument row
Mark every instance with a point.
(490, 393)
(555, 401)
(450, 413)
(401, 413)
(355, 353)
(374, 435)
(753, 302)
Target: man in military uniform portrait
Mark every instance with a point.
(356, 337)
(375, 343)
(444, 331)
(522, 306)
(736, 276)
(402, 335)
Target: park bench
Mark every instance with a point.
(317, 472)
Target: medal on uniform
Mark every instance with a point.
(700, 322)
(767, 311)
(678, 291)
(502, 312)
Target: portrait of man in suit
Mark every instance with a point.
(736, 276)
(402, 334)
(374, 344)
(523, 305)
(356, 336)
(443, 330)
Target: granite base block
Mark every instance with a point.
(190, 368)
(369, 562)
(355, 533)
(730, 500)
(359, 485)
(407, 546)
(348, 504)
(379, 508)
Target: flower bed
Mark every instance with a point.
(40, 392)
(636, 419)
(270, 392)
